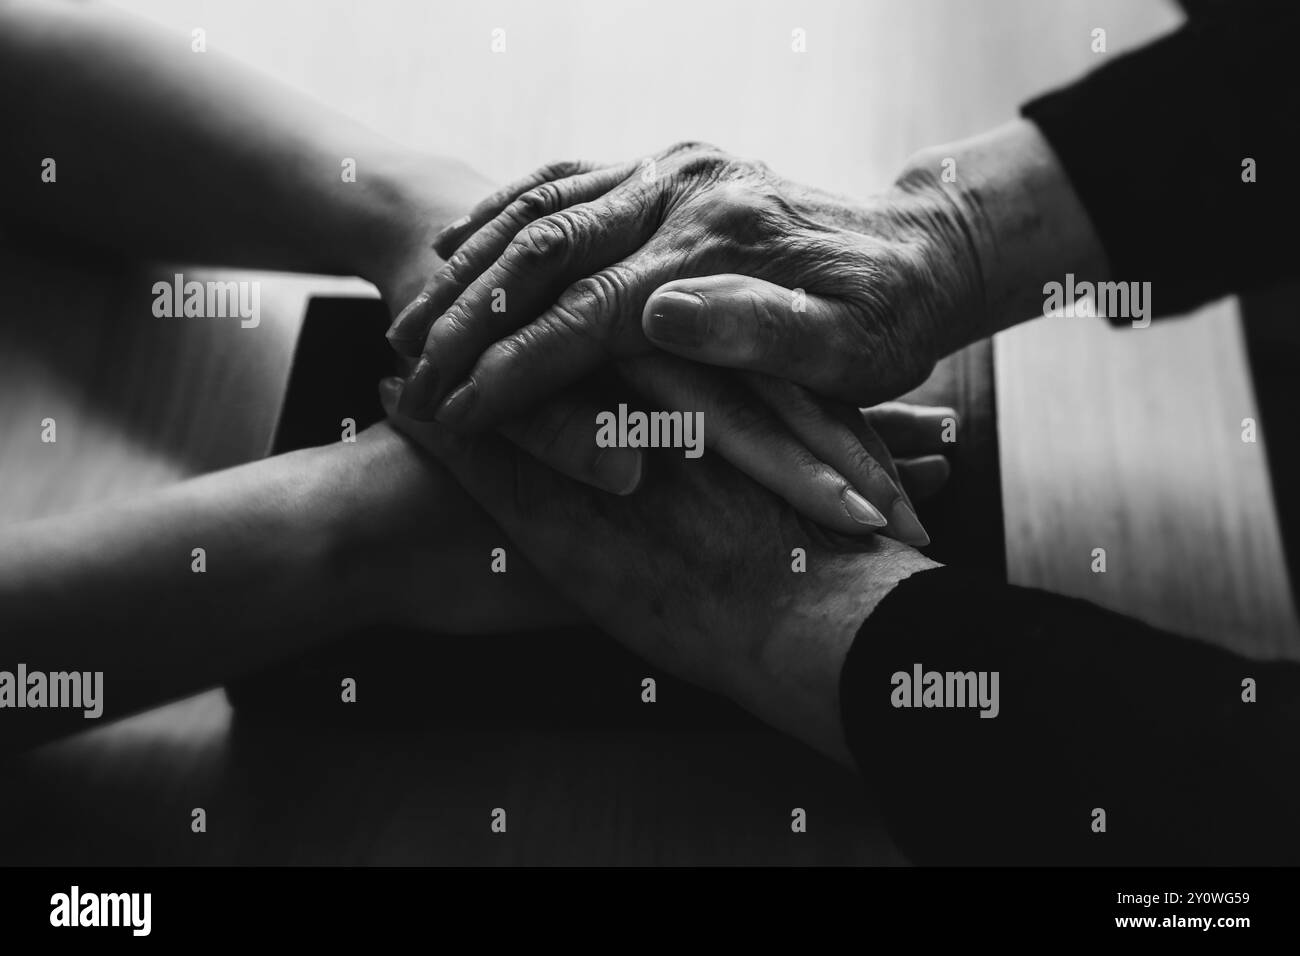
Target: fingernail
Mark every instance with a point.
(458, 404)
(449, 230)
(405, 314)
(410, 347)
(677, 319)
(907, 525)
(397, 333)
(860, 509)
(390, 392)
(418, 393)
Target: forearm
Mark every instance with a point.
(126, 590)
(165, 152)
(296, 550)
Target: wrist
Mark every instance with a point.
(950, 236)
(390, 226)
(408, 547)
(411, 197)
(795, 682)
(403, 538)
(1014, 223)
(346, 482)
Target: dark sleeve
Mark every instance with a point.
(1154, 141)
(1094, 711)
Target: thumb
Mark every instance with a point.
(747, 323)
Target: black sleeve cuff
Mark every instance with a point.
(1094, 711)
(1154, 142)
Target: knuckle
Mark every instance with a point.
(454, 322)
(744, 215)
(560, 169)
(575, 221)
(573, 320)
(545, 240)
(537, 202)
(705, 166)
(859, 459)
(604, 291)
(594, 294)
(518, 345)
(455, 269)
(595, 306)
(691, 146)
(808, 469)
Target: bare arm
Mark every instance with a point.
(297, 549)
(162, 151)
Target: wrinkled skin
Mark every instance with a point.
(575, 252)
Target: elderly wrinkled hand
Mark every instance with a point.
(699, 253)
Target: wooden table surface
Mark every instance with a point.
(1122, 439)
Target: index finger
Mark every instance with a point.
(537, 266)
(449, 239)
